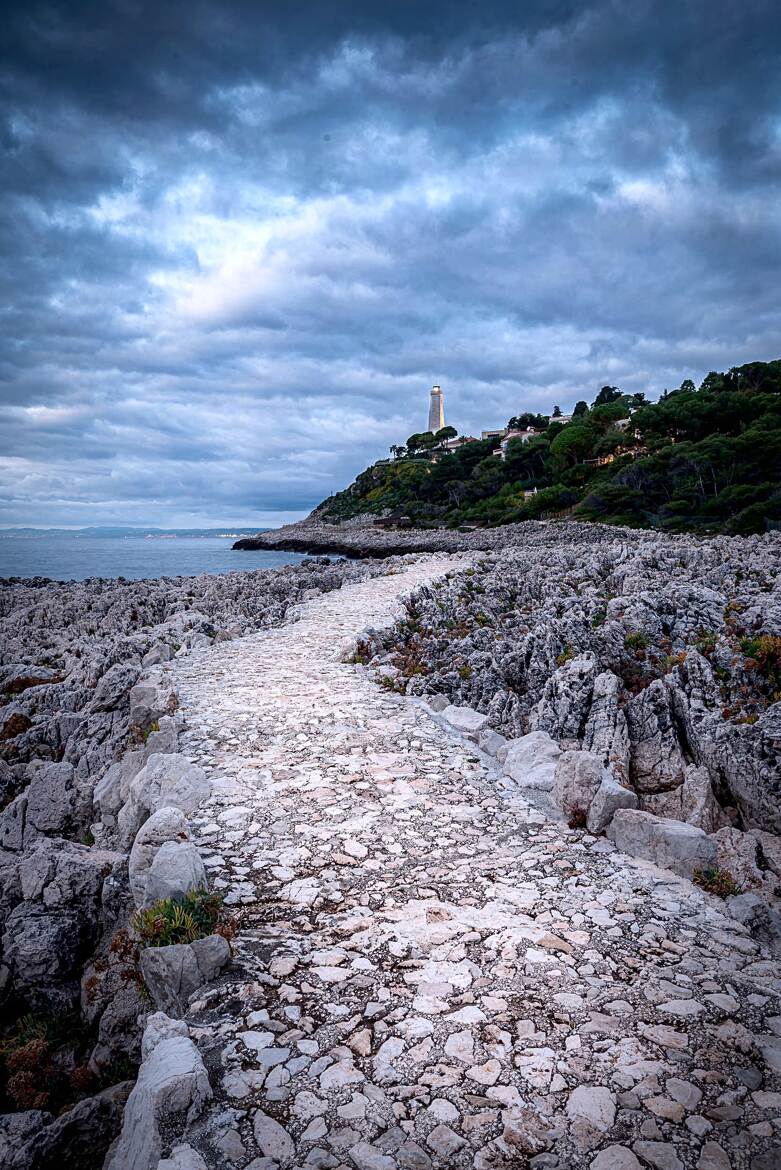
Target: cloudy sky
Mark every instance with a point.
(242, 240)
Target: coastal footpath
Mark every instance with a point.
(466, 858)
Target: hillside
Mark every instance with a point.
(700, 459)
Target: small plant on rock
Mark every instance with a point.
(763, 653)
(178, 920)
(566, 655)
(636, 640)
(715, 880)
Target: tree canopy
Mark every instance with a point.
(702, 459)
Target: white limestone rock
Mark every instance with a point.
(577, 778)
(166, 826)
(669, 844)
(165, 780)
(466, 720)
(172, 1083)
(608, 799)
(531, 760)
(490, 741)
(177, 868)
(171, 974)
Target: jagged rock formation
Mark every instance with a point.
(661, 656)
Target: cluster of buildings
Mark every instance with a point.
(436, 421)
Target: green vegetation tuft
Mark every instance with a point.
(178, 920)
(717, 881)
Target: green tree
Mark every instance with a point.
(571, 445)
(607, 394)
(581, 408)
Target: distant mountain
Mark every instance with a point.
(704, 459)
(108, 530)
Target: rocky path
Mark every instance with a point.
(428, 972)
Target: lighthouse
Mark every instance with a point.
(436, 410)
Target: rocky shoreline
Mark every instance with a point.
(630, 683)
(359, 538)
(94, 806)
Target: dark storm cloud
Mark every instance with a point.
(241, 240)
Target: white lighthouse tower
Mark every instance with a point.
(436, 410)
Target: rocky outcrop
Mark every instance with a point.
(78, 1138)
(173, 973)
(669, 844)
(172, 1088)
(531, 761)
(165, 781)
(67, 892)
(659, 654)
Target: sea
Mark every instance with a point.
(133, 554)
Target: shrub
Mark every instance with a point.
(566, 655)
(716, 881)
(178, 920)
(763, 653)
(636, 640)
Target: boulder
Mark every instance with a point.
(165, 780)
(111, 691)
(160, 652)
(172, 1086)
(466, 720)
(490, 741)
(173, 973)
(577, 778)
(166, 825)
(165, 739)
(657, 763)
(177, 869)
(609, 798)
(51, 800)
(80, 1137)
(150, 699)
(531, 760)
(438, 702)
(113, 788)
(669, 844)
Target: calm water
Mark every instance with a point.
(67, 558)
